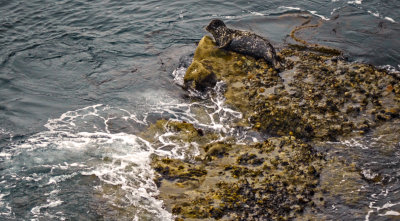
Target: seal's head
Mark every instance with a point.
(215, 25)
(220, 32)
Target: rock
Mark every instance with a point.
(199, 77)
(317, 97)
(275, 179)
(313, 98)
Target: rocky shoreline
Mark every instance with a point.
(317, 97)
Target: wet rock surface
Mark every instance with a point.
(317, 95)
(274, 179)
(316, 98)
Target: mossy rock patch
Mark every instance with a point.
(316, 95)
(275, 179)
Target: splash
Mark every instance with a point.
(80, 144)
(98, 145)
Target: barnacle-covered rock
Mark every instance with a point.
(272, 180)
(316, 97)
(317, 94)
(178, 132)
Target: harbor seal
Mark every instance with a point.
(243, 42)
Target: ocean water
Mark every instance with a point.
(80, 79)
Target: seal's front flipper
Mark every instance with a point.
(225, 43)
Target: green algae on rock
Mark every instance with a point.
(277, 181)
(211, 64)
(317, 95)
(274, 179)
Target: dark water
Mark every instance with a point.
(78, 80)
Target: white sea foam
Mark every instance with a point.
(50, 203)
(257, 13)
(227, 16)
(178, 75)
(368, 174)
(61, 178)
(335, 9)
(127, 166)
(358, 2)
(82, 143)
(390, 19)
(378, 210)
(290, 8)
(218, 117)
(5, 155)
(300, 9)
(390, 213)
(72, 146)
(321, 16)
(390, 68)
(5, 209)
(376, 14)
(117, 159)
(352, 143)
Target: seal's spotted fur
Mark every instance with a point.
(242, 42)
